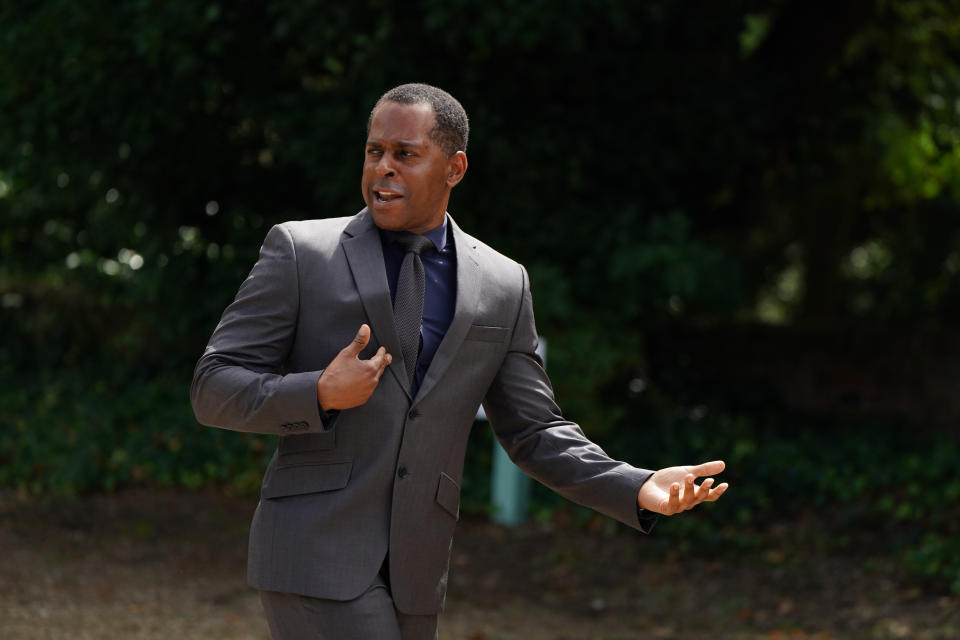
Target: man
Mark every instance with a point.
(367, 343)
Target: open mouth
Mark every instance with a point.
(386, 196)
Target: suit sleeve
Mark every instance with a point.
(238, 383)
(527, 421)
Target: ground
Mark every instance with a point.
(151, 565)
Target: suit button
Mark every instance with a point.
(413, 414)
(402, 472)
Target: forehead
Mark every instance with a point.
(394, 122)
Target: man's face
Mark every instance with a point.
(406, 176)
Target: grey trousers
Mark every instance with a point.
(371, 616)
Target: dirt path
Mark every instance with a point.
(152, 565)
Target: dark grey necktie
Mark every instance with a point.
(408, 304)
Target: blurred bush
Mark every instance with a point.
(104, 430)
(799, 485)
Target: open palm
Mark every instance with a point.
(672, 489)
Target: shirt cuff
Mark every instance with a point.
(328, 418)
(646, 519)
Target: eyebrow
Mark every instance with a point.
(399, 143)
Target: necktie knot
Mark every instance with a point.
(413, 243)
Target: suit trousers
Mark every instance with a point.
(371, 616)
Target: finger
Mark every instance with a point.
(359, 342)
(689, 491)
(708, 468)
(380, 360)
(703, 491)
(717, 492)
(673, 502)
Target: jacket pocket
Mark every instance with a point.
(487, 334)
(311, 477)
(448, 495)
(321, 441)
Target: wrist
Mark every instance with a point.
(323, 395)
(647, 499)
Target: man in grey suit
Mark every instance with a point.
(352, 535)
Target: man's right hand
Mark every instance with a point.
(349, 381)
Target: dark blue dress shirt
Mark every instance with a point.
(440, 290)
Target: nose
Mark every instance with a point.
(384, 168)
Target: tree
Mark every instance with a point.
(649, 162)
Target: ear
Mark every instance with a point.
(456, 167)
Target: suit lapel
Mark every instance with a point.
(365, 256)
(465, 310)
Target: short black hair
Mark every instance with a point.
(452, 128)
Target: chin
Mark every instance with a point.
(386, 220)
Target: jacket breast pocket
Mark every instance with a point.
(306, 478)
(484, 333)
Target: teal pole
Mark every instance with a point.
(510, 487)
(509, 490)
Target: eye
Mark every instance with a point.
(374, 152)
(407, 154)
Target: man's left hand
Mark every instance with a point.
(672, 490)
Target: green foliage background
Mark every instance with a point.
(651, 163)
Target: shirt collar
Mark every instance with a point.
(437, 235)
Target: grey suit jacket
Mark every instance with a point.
(385, 476)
